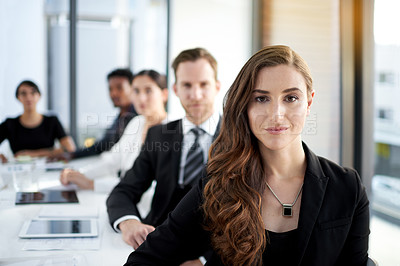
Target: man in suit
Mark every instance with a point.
(120, 89)
(167, 151)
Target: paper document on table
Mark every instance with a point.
(7, 198)
(74, 259)
(68, 212)
(80, 243)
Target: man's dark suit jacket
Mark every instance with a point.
(158, 160)
(333, 226)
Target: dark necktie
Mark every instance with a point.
(194, 159)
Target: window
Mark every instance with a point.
(385, 201)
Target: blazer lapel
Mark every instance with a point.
(314, 187)
(169, 163)
(176, 144)
(217, 129)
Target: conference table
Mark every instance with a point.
(108, 247)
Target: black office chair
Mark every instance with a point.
(372, 262)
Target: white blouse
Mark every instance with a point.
(120, 157)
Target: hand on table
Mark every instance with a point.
(63, 156)
(45, 152)
(3, 159)
(31, 153)
(134, 232)
(69, 176)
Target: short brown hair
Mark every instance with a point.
(193, 55)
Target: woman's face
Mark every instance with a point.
(278, 107)
(148, 98)
(28, 96)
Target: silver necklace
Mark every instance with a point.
(287, 209)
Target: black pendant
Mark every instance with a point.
(287, 210)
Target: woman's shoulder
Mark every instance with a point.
(135, 125)
(318, 163)
(335, 167)
(323, 167)
(11, 121)
(136, 120)
(340, 177)
(50, 119)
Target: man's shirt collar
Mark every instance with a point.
(209, 126)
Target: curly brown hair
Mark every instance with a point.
(232, 196)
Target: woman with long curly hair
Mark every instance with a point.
(266, 198)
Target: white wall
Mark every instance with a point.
(223, 27)
(149, 35)
(22, 54)
(22, 51)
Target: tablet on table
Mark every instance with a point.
(53, 227)
(46, 196)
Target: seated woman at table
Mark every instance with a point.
(33, 134)
(266, 198)
(149, 97)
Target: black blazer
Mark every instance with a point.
(158, 160)
(333, 225)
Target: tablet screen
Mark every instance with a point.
(46, 196)
(49, 228)
(59, 227)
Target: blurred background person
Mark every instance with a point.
(33, 134)
(120, 90)
(149, 96)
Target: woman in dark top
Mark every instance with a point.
(32, 133)
(267, 199)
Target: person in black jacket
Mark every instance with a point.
(33, 134)
(166, 151)
(266, 198)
